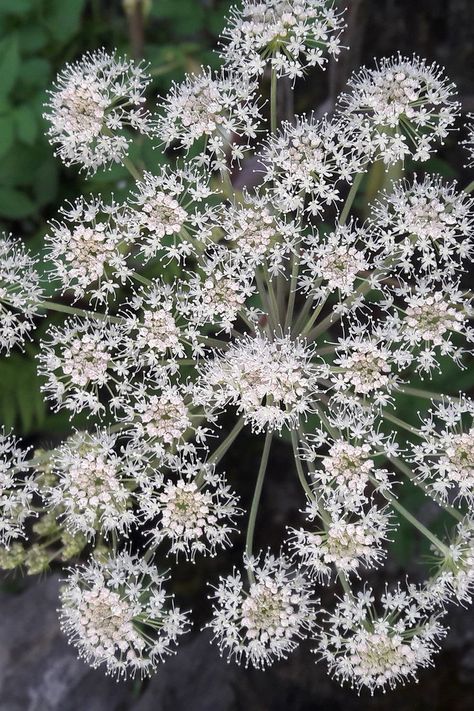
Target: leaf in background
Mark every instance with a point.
(9, 63)
(45, 185)
(63, 18)
(35, 72)
(15, 7)
(15, 204)
(187, 16)
(31, 39)
(26, 124)
(21, 401)
(18, 167)
(7, 133)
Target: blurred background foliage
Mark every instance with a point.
(37, 37)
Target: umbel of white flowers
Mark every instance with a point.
(287, 312)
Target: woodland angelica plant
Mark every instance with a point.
(287, 310)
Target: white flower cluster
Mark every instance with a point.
(379, 649)
(307, 163)
(16, 490)
(91, 491)
(118, 614)
(444, 458)
(20, 294)
(290, 35)
(91, 106)
(191, 299)
(271, 382)
(170, 211)
(266, 621)
(406, 105)
(194, 513)
(88, 248)
(427, 225)
(213, 108)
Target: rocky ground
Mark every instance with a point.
(40, 672)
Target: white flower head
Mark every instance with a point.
(407, 105)
(79, 362)
(430, 320)
(117, 614)
(213, 108)
(346, 473)
(347, 542)
(257, 232)
(171, 213)
(454, 577)
(89, 248)
(337, 260)
(219, 290)
(290, 35)
(426, 226)
(20, 294)
(263, 621)
(272, 383)
(157, 414)
(193, 514)
(157, 332)
(444, 459)
(92, 105)
(16, 489)
(312, 159)
(367, 365)
(373, 649)
(91, 491)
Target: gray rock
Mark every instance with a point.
(39, 671)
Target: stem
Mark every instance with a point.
(299, 468)
(256, 500)
(345, 583)
(412, 519)
(141, 279)
(417, 392)
(303, 314)
(313, 317)
(469, 188)
(62, 308)
(226, 443)
(273, 102)
(350, 198)
(333, 316)
(266, 303)
(129, 165)
(401, 423)
(292, 293)
(228, 188)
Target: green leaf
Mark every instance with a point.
(18, 167)
(26, 124)
(31, 39)
(64, 18)
(21, 401)
(15, 7)
(35, 72)
(6, 133)
(186, 16)
(45, 184)
(15, 204)
(9, 64)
